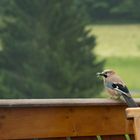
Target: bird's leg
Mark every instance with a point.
(115, 97)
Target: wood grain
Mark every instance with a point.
(133, 112)
(137, 127)
(54, 121)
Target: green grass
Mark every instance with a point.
(117, 40)
(120, 46)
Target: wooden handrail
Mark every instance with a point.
(56, 118)
(61, 102)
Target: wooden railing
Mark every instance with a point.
(64, 119)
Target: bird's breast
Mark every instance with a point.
(112, 92)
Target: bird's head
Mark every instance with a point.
(106, 73)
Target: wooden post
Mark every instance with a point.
(134, 113)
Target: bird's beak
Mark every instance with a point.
(100, 74)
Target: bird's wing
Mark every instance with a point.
(121, 88)
(126, 95)
(116, 82)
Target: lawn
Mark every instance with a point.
(117, 40)
(120, 46)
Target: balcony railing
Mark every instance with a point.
(64, 119)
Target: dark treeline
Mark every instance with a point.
(116, 10)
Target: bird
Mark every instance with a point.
(116, 87)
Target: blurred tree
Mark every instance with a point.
(135, 9)
(123, 10)
(97, 9)
(46, 51)
(116, 10)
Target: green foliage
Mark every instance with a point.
(112, 9)
(46, 51)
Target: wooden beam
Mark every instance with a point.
(60, 102)
(134, 113)
(41, 119)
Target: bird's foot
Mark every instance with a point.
(115, 97)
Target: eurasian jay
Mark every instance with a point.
(116, 87)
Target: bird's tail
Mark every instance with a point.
(130, 101)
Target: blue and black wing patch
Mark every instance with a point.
(125, 93)
(120, 87)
